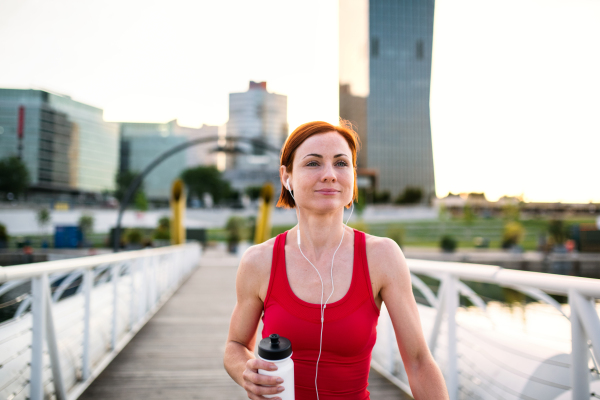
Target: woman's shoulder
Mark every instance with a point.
(383, 253)
(255, 268)
(259, 256)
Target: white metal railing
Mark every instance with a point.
(470, 358)
(67, 339)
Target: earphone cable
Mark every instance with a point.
(322, 305)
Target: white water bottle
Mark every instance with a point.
(278, 350)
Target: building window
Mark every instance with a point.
(419, 49)
(374, 47)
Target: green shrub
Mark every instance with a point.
(448, 244)
(163, 230)
(133, 236)
(513, 234)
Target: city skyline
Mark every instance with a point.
(513, 97)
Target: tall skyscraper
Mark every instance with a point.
(385, 73)
(258, 114)
(66, 145)
(255, 114)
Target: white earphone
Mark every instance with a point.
(322, 305)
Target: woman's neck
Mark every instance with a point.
(320, 233)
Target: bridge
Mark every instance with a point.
(152, 324)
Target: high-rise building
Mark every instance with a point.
(385, 73)
(255, 114)
(66, 145)
(141, 143)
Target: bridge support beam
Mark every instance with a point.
(580, 374)
(451, 292)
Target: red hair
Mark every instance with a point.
(298, 137)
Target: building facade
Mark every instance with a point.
(141, 143)
(385, 73)
(66, 145)
(255, 114)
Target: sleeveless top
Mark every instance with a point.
(349, 331)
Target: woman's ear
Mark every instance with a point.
(285, 177)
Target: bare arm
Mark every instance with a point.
(239, 358)
(395, 288)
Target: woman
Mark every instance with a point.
(287, 280)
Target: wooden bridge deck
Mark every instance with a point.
(179, 353)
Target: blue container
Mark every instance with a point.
(67, 237)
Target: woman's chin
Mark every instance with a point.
(325, 206)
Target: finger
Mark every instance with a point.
(256, 364)
(262, 390)
(260, 379)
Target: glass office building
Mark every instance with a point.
(385, 72)
(66, 145)
(142, 143)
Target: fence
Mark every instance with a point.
(83, 312)
(481, 364)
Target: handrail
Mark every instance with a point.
(550, 283)
(28, 271)
(583, 317)
(133, 286)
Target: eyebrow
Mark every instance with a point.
(320, 156)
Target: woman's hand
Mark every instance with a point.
(257, 385)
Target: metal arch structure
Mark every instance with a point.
(158, 160)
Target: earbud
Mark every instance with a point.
(287, 183)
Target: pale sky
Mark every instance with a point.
(515, 100)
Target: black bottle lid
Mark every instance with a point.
(274, 348)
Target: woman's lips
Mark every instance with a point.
(327, 191)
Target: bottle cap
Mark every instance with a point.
(274, 347)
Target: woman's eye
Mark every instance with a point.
(341, 164)
(312, 164)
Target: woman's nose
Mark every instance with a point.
(329, 174)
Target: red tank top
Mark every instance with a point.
(349, 331)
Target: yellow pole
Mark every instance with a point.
(178, 212)
(263, 222)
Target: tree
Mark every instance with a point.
(86, 224)
(14, 176)
(43, 217)
(203, 179)
(411, 195)
(513, 234)
(140, 201)
(253, 192)
(468, 218)
(163, 231)
(235, 228)
(123, 180)
(557, 231)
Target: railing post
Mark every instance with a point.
(38, 311)
(88, 277)
(437, 323)
(391, 336)
(59, 386)
(115, 281)
(451, 290)
(144, 289)
(133, 266)
(580, 381)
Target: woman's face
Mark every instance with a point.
(322, 177)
